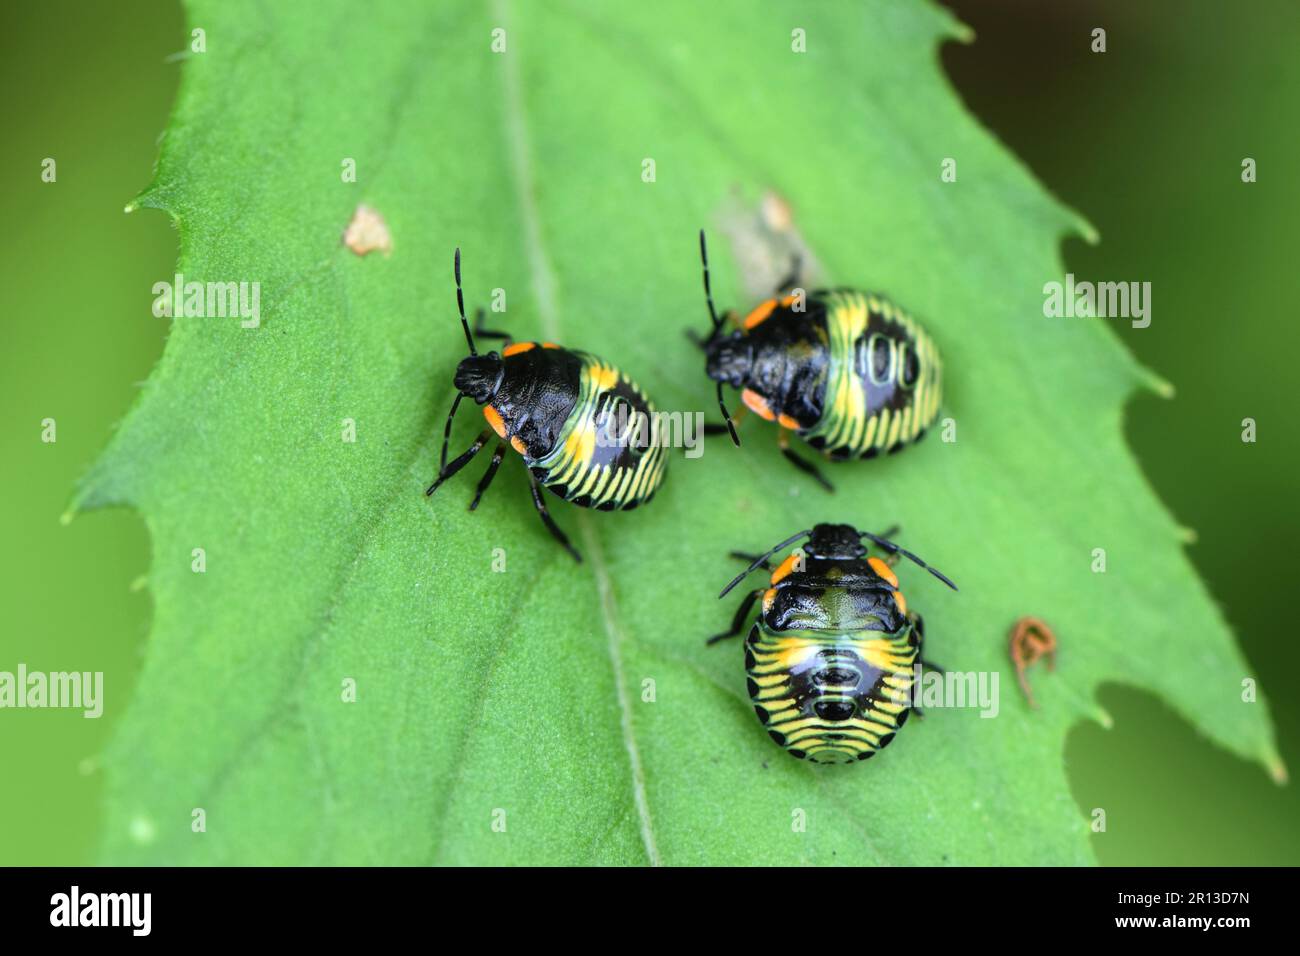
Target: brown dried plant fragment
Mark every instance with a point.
(1031, 639)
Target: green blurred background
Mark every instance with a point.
(1146, 140)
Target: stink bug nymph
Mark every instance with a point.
(849, 372)
(585, 431)
(831, 653)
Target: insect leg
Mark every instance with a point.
(489, 474)
(783, 439)
(918, 622)
(446, 432)
(738, 622)
(483, 333)
(458, 463)
(547, 520)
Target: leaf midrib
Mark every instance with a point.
(543, 282)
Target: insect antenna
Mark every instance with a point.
(763, 557)
(464, 324)
(717, 324)
(895, 549)
(460, 304)
(708, 288)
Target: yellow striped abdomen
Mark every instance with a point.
(609, 453)
(884, 382)
(831, 697)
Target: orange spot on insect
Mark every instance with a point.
(757, 404)
(518, 445)
(494, 419)
(768, 597)
(902, 604)
(761, 312)
(884, 570)
(517, 347)
(788, 422)
(787, 566)
(549, 345)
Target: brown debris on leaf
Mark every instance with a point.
(1031, 639)
(766, 243)
(367, 232)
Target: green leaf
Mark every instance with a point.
(522, 691)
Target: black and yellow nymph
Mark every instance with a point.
(585, 431)
(849, 372)
(831, 654)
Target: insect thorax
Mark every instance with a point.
(537, 396)
(834, 595)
